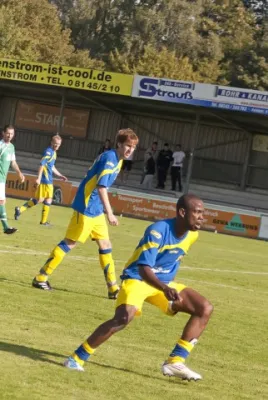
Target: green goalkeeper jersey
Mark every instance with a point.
(7, 154)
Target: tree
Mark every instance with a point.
(31, 30)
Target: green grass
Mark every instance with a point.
(39, 329)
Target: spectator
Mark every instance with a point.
(151, 151)
(106, 147)
(163, 162)
(176, 169)
(126, 168)
(149, 172)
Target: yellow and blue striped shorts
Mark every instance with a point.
(82, 227)
(44, 191)
(134, 293)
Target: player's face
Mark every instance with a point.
(194, 216)
(8, 135)
(56, 144)
(126, 149)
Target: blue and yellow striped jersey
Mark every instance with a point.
(161, 250)
(103, 172)
(48, 161)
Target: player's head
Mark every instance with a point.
(190, 212)
(8, 133)
(56, 142)
(178, 147)
(154, 146)
(126, 142)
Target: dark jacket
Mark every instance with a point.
(150, 166)
(164, 159)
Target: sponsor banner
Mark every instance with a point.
(43, 117)
(144, 208)
(200, 94)
(260, 143)
(62, 190)
(215, 220)
(64, 76)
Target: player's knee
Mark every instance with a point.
(206, 309)
(70, 243)
(104, 244)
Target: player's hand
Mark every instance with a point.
(112, 219)
(22, 177)
(64, 178)
(37, 183)
(171, 293)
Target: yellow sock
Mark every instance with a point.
(53, 261)
(30, 203)
(82, 353)
(107, 264)
(181, 351)
(45, 212)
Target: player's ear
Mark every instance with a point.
(181, 212)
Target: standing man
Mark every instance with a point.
(176, 168)
(163, 162)
(44, 182)
(7, 157)
(149, 276)
(88, 218)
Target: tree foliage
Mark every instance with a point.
(215, 41)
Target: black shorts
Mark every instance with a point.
(127, 165)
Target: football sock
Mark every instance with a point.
(3, 217)
(30, 203)
(45, 212)
(107, 265)
(181, 351)
(83, 353)
(56, 257)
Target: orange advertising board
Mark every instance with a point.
(239, 224)
(215, 220)
(44, 117)
(62, 190)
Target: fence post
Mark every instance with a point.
(62, 106)
(243, 181)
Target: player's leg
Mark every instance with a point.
(3, 215)
(77, 231)
(128, 304)
(101, 235)
(173, 178)
(124, 314)
(45, 211)
(200, 309)
(179, 179)
(33, 201)
(48, 196)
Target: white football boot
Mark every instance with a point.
(180, 371)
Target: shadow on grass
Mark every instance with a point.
(158, 378)
(30, 352)
(57, 289)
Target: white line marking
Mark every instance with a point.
(223, 286)
(226, 270)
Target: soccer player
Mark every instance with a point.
(7, 157)
(149, 276)
(44, 182)
(88, 218)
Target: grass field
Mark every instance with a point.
(39, 329)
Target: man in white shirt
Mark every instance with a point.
(176, 169)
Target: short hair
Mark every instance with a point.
(166, 144)
(8, 126)
(57, 136)
(155, 143)
(126, 134)
(185, 200)
(178, 145)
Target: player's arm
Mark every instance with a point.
(57, 173)
(149, 277)
(103, 193)
(17, 169)
(39, 174)
(150, 244)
